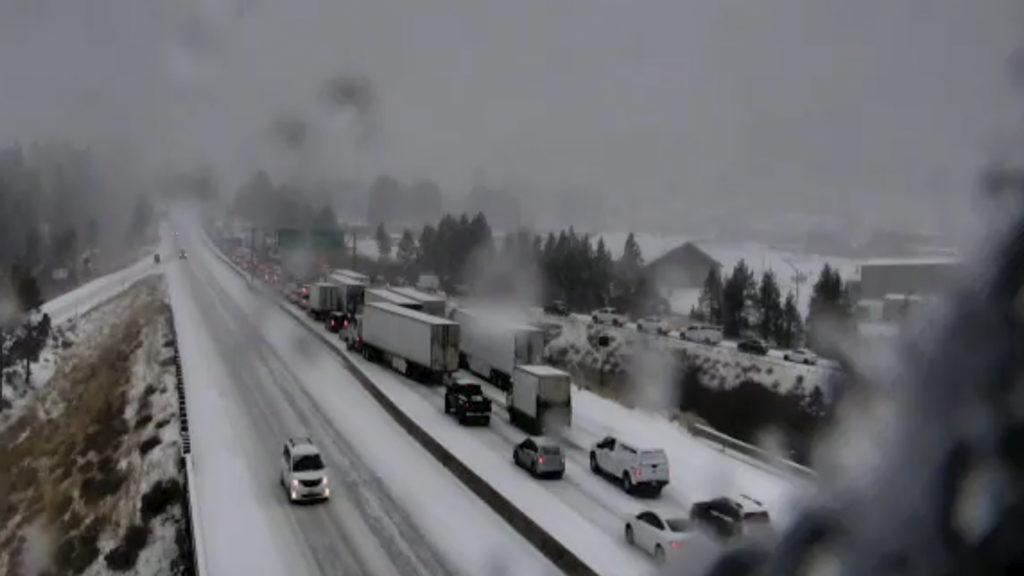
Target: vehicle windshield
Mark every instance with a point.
(308, 463)
(678, 524)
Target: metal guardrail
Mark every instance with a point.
(552, 549)
(759, 454)
(190, 506)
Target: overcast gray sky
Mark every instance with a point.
(666, 110)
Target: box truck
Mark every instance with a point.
(492, 347)
(418, 345)
(432, 303)
(540, 400)
(324, 298)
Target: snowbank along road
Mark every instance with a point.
(254, 377)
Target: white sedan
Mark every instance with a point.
(659, 535)
(801, 356)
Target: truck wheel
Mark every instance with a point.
(627, 484)
(659, 554)
(515, 457)
(656, 491)
(593, 464)
(629, 534)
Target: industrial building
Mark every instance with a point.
(883, 277)
(890, 289)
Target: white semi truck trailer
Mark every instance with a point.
(492, 347)
(418, 345)
(432, 303)
(540, 400)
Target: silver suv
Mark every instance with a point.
(303, 474)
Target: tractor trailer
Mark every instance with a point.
(432, 303)
(492, 347)
(418, 345)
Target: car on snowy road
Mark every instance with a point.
(539, 458)
(303, 474)
(662, 535)
(702, 334)
(652, 325)
(753, 346)
(801, 356)
(608, 317)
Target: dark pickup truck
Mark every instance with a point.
(467, 403)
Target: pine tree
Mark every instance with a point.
(829, 303)
(383, 241)
(791, 328)
(407, 249)
(735, 295)
(603, 271)
(769, 306)
(631, 263)
(710, 303)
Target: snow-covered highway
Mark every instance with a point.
(253, 378)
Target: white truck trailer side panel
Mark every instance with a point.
(426, 340)
(432, 303)
(498, 343)
(383, 295)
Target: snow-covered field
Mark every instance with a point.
(723, 365)
(89, 466)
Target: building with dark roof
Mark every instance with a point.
(685, 266)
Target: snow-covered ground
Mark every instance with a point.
(92, 293)
(723, 365)
(64, 311)
(254, 377)
(102, 433)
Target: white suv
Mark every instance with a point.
(652, 325)
(608, 316)
(303, 473)
(637, 469)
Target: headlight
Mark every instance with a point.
(295, 483)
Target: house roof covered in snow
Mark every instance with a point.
(684, 266)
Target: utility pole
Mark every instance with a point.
(252, 255)
(354, 266)
(798, 278)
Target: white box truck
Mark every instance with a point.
(324, 298)
(492, 347)
(540, 401)
(352, 293)
(432, 303)
(418, 345)
(383, 295)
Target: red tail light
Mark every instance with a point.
(540, 459)
(677, 544)
(345, 324)
(639, 473)
(466, 405)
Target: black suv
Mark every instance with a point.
(556, 308)
(467, 403)
(753, 346)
